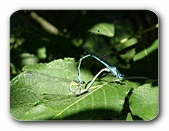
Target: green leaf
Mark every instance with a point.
(144, 102)
(129, 117)
(41, 92)
(146, 51)
(106, 29)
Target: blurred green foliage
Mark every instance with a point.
(40, 36)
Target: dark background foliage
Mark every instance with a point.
(38, 36)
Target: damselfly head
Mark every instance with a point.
(121, 76)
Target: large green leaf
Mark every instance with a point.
(144, 102)
(41, 92)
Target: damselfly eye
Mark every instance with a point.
(121, 76)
